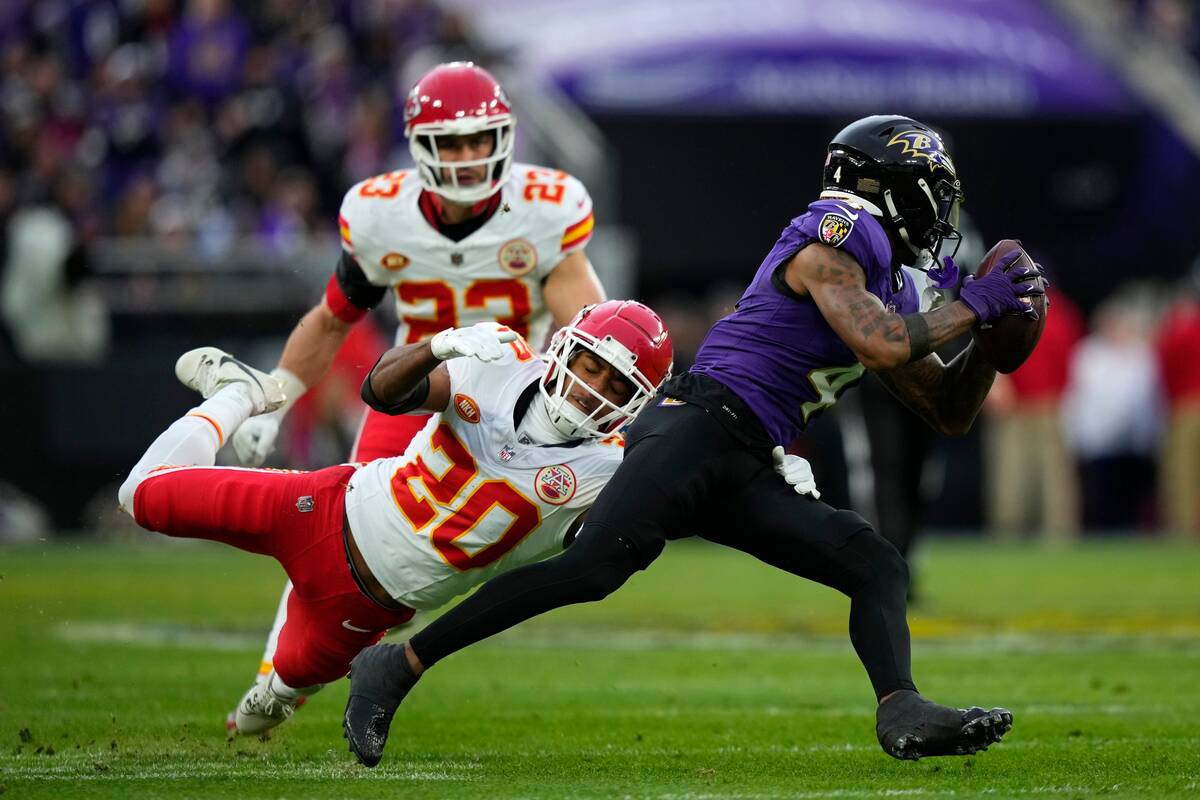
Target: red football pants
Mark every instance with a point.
(297, 518)
(384, 436)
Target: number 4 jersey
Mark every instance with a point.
(776, 351)
(495, 273)
(468, 499)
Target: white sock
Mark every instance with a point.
(268, 657)
(226, 410)
(288, 693)
(192, 440)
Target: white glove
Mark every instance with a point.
(254, 439)
(483, 341)
(796, 471)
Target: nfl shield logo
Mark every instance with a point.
(305, 504)
(506, 453)
(834, 229)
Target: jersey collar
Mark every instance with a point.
(431, 208)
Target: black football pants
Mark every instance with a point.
(685, 474)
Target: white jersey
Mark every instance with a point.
(495, 273)
(467, 499)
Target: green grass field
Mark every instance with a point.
(710, 676)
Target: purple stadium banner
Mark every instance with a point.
(950, 57)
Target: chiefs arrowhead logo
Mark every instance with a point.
(555, 485)
(466, 408)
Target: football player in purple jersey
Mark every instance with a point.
(838, 294)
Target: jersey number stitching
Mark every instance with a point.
(385, 185)
(445, 489)
(476, 295)
(546, 185)
(829, 383)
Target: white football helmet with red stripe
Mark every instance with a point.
(630, 337)
(458, 99)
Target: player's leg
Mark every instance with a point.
(233, 392)
(671, 461)
(265, 664)
(840, 549)
(379, 436)
(327, 621)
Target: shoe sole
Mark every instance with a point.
(974, 737)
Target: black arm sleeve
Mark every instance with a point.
(354, 284)
(409, 402)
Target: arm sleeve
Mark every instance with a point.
(409, 402)
(349, 294)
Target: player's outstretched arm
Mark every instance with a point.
(880, 339)
(410, 377)
(313, 344)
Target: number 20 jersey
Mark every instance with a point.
(495, 273)
(467, 499)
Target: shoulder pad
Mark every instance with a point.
(366, 206)
(841, 224)
(555, 194)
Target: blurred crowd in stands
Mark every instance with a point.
(200, 122)
(199, 117)
(196, 122)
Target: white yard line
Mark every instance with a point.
(186, 637)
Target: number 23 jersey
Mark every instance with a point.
(495, 273)
(468, 499)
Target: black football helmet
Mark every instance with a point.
(899, 171)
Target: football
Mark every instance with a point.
(1008, 341)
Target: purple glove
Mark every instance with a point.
(1001, 291)
(946, 276)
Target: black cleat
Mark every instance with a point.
(910, 727)
(380, 678)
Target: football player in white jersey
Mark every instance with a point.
(500, 477)
(467, 236)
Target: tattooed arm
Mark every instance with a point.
(947, 396)
(881, 339)
(897, 347)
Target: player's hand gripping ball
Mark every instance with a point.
(1008, 338)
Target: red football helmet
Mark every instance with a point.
(457, 99)
(630, 337)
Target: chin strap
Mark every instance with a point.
(898, 221)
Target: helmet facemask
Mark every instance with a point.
(925, 218)
(441, 177)
(557, 387)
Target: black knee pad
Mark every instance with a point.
(871, 559)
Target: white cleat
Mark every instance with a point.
(210, 369)
(269, 704)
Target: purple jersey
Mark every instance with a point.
(776, 351)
